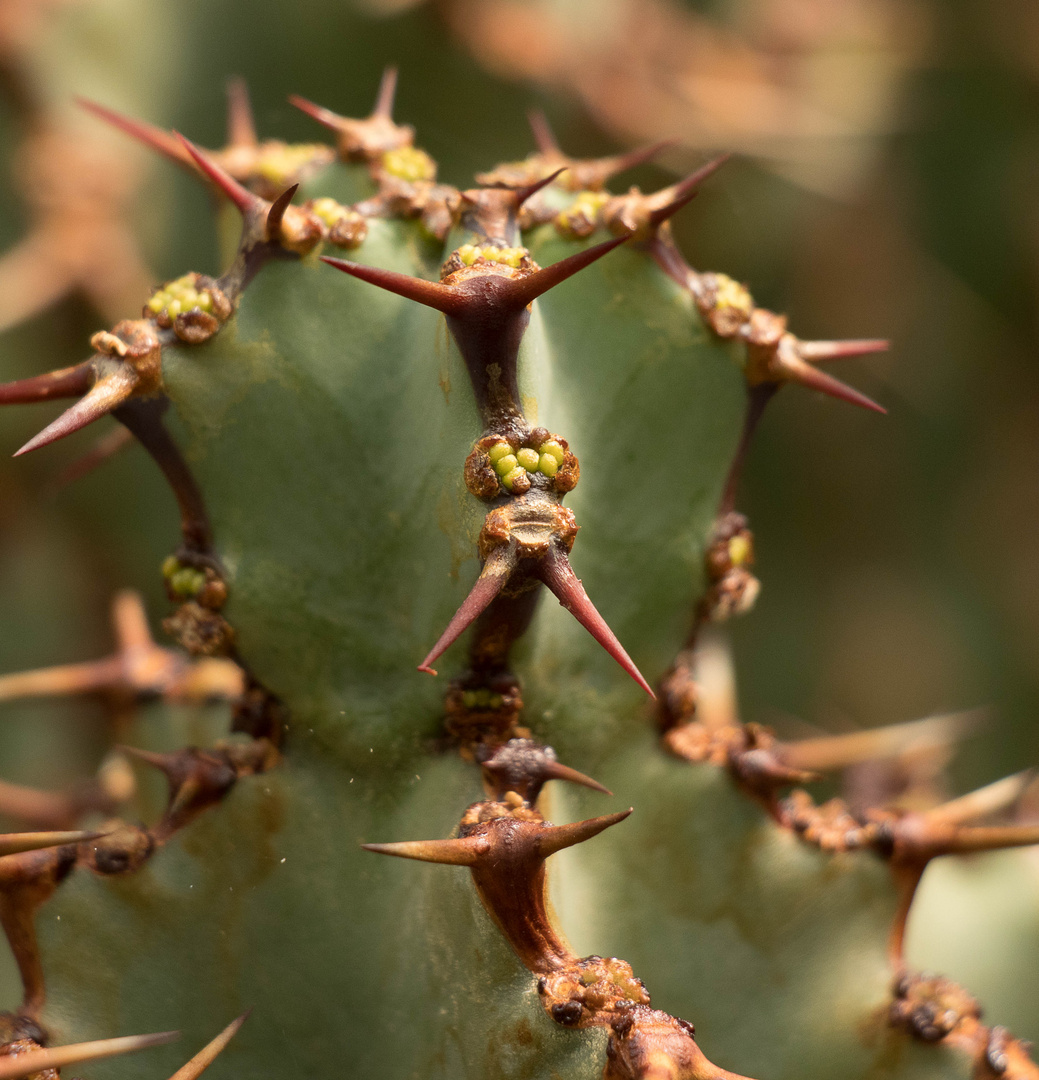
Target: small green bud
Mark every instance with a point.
(739, 550)
(187, 581)
(173, 308)
(548, 465)
(468, 253)
(498, 451)
(528, 459)
(505, 464)
(513, 475)
(553, 450)
(170, 565)
(409, 163)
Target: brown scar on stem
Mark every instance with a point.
(933, 1009)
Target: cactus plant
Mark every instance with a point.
(360, 483)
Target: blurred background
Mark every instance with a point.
(884, 185)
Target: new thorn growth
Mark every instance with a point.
(36, 1061)
(524, 767)
(556, 572)
(194, 1068)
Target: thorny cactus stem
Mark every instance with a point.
(233, 352)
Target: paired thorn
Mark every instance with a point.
(777, 356)
(36, 1061)
(14, 843)
(247, 203)
(556, 572)
(543, 841)
(363, 140)
(194, 1068)
(151, 136)
(506, 855)
(241, 126)
(66, 383)
(833, 752)
(457, 851)
(678, 195)
(138, 668)
(992, 799)
(471, 298)
(387, 93)
(496, 571)
(114, 387)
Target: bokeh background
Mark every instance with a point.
(884, 184)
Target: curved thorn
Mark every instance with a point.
(797, 370)
(818, 351)
(65, 383)
(991, 799)
(85, 678)
(194, 1068)
(685, 190)
(524, 193)
(241, 127)
(35, 1061)
(245, 200)
(544, 137)
(556, 837)
(523, 291)
(387, 93)
(457, 851)
(557, 573)
(323, 116)
(430, 293)
(277, 213)
(554, 770)
(155, 138)
(13, 843)
(500, 564)
(108, 393)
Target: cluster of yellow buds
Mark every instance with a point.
(508, 256)
(281, 164)
(582, 217)
(511, 467)
(177, 296)
(408, 163)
